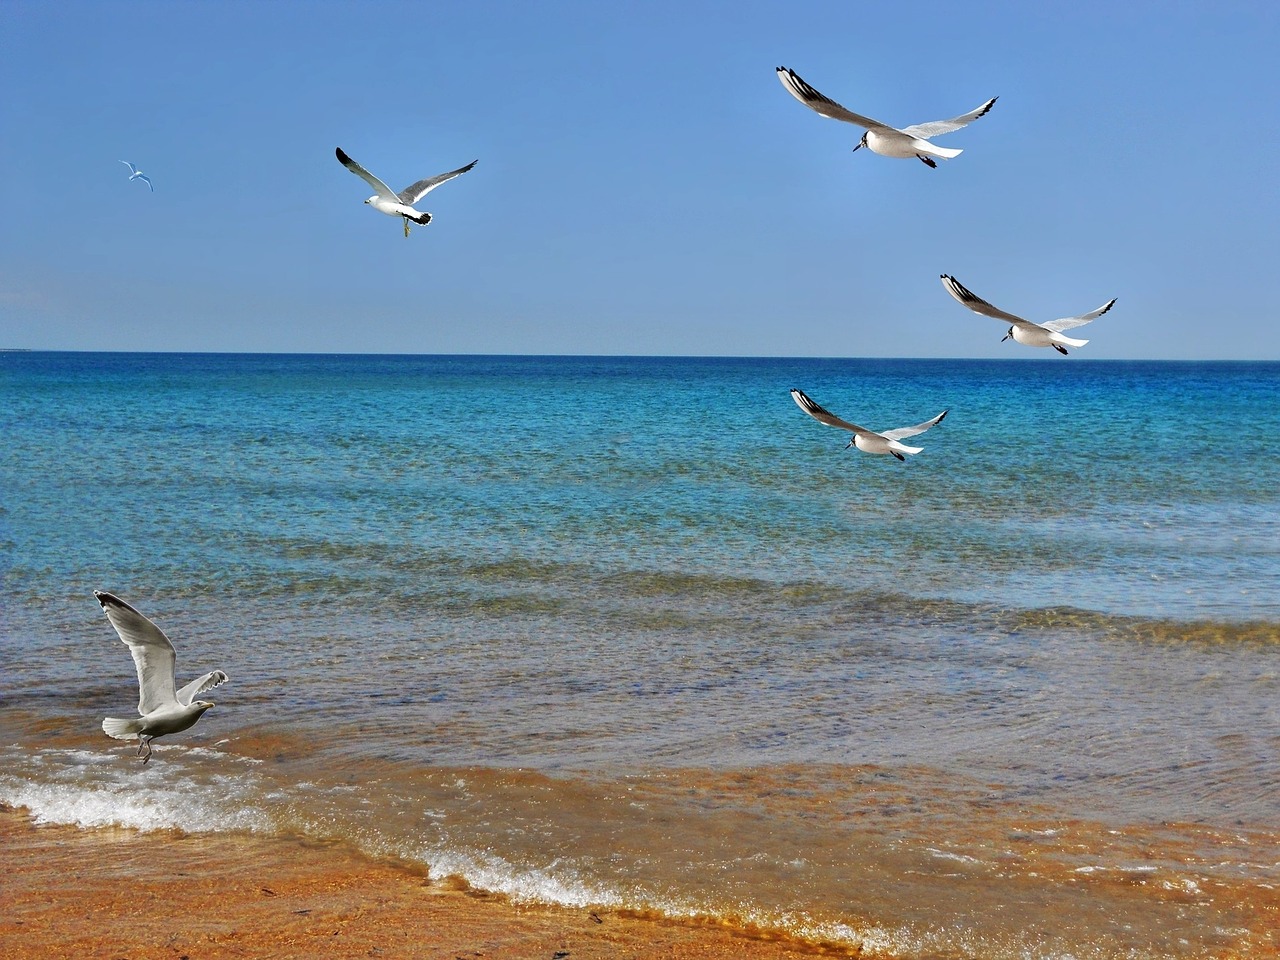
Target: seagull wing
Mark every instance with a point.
(143, 176)
(415, 192)
(976, 303)
(197, 687)
(937, 128)
(1066, 323)
(152, 652)
(132, 168)
(812, 99)
(380, 188)
(903, 432)
(822, 415)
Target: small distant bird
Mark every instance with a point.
(868, 441)
(136, 174)
(393, 204)
(164, 710)
(1024, 331)
(880, 137)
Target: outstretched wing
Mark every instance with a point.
(822, 415)
(380, 188)
(144, 177)
(903, 432)
(812, 99)
(1066, 323)
(415, 192)
(937, 128)
(976, 303)
(152, 652)
(197, 687)
(132, 168)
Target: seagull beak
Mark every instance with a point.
(1005, 337)
(852, 441)
(858, 147)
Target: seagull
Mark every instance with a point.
(868, 441)
(880, 137)
(1024, 331)
(385, 200)
(136, 174)
(163, 710)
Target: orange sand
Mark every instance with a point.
(114, 894)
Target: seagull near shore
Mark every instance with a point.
(868, 441)
(164, 710)
(1024, 331)
(881, 138)
(385, 200)
(136, 174)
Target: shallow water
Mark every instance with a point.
(637, 633)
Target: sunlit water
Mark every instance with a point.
(638, 633)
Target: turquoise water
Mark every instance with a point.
(637, 632)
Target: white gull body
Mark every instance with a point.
(1024, 331)
(868, 441)
(881, 138)
(163, 708)
(385, 200)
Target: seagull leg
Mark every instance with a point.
(1061, 349)
(926, 161)
(406, 226)
(144, 742)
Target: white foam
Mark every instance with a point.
(524, 884)
(89, 789)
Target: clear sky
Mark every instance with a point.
(645, 184)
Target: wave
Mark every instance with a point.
(90, 789)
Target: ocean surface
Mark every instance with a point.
(637, 634)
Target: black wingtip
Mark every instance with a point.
(342, 157)
(110, 600)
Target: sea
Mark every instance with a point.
(637, 634)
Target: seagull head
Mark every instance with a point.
(861, 143)
(1007, 335)
(203, 705)
(371, 199)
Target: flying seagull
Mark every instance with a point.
(385, 200)
(136, 174)
(880, 137)
(163, 709)
(1024, 331)
(868, 441)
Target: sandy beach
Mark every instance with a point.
(117, 893)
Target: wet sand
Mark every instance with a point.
(115, 893)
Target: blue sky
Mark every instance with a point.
(645, 184)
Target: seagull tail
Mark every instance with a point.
(121, 729)
(1067, 341)
(946, 153)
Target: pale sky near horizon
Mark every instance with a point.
(645, 185)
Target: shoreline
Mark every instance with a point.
(115, 892)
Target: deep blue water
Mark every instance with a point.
(1125, 488)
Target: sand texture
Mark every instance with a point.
(117, 894)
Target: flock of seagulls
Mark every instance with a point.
(164, 709)
(905, 143)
